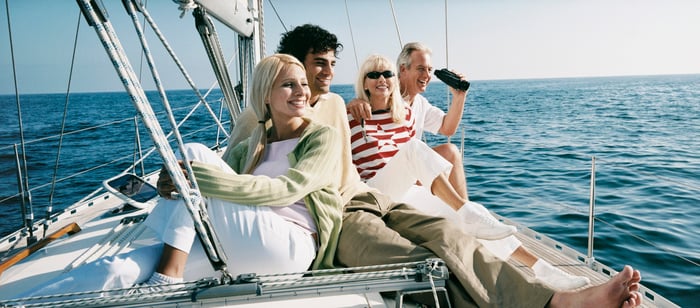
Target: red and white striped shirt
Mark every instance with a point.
(383, 139)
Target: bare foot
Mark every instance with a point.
(620, 291)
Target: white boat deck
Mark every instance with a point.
(98, 233)
(573, 262)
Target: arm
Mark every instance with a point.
(316, 157)
(450, 122)
(359, 109)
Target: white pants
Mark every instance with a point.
(254, 240)
(112, 272)
(421, 198)
(415, 161)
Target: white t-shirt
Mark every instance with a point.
(428, 117)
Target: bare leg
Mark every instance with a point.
(524, 256)
(172, 262)
(620, 291)
(444, 190)
(457, 178)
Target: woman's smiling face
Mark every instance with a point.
(382, 86)
(290, 93)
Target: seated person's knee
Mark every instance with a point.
(449, 151)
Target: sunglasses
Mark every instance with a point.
(375, 74)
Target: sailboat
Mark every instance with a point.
(108, 220)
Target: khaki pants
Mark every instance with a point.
(379, 231)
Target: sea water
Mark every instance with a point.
(528, 150)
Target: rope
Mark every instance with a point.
(192, 198)
(104, 297)
(406, 271)
(433, 267)
(343, 270)
(210, 39)
(260, 40)
(185, 6)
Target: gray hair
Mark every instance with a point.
(404, 59)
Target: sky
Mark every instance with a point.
(485, 40)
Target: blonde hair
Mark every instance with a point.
(396, 103)
(264, 77)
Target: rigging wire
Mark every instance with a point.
(447, 89)
(631, 234)
(396, 24)
(181, 67)
(49, 208)
(143, 25)
(447, 53)
(352, 37)
(278, 15)
(27, 212)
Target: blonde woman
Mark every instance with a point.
(273, 204)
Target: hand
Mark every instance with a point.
(359, 109)
(165, 185)
(454, 91)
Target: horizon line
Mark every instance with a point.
(350, 84)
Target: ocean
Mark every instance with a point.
(528, 149)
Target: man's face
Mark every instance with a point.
(319, 71)
(415, 79)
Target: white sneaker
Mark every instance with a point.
(483, 226)
(480, 208)
(556, 278)
(157, 283)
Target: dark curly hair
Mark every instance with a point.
(308, 38)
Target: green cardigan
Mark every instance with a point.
(312, 162)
